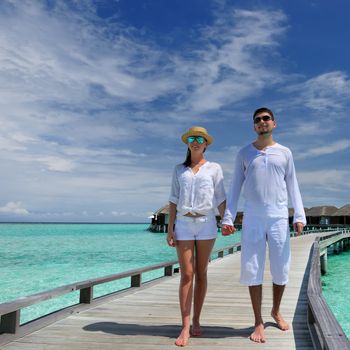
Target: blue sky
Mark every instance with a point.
(95, 96)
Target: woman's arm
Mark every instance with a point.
(172, 215)
(222, 208)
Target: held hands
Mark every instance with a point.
(171, 240)
(227, 230)
(298, 228)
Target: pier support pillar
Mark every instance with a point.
(336, 248)
(324, 263)
(346, 244)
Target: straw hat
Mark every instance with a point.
(197, 131)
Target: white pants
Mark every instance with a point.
(199, 228)
(256, 232)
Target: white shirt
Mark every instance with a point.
(198, 193)
(268, 176)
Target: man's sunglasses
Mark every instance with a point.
(199, 139)
(265, 118)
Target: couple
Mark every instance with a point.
(267, 171)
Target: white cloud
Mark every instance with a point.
(231, 66)
(326, 92)
(325, 179)
(318, 150)
(14, 208)
(57, 164)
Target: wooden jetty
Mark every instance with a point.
(148, 316)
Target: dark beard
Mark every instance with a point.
(264, 132)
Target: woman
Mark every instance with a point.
(197, 189)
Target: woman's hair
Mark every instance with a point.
(188, 161)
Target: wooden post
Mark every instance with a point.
(136, 280)
(10, 322)
(86, 295)
(323, 259)
(168, 270)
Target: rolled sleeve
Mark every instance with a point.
(294, 192)
(219, 189)
(234, 192)
(175, 188)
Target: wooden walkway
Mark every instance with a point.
(150, 319)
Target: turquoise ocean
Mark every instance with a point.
(336, 288)
(39, 257)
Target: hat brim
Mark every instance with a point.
(209, 138)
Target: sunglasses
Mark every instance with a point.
(199, 139)
(265, 118)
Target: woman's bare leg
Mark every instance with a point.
(185, 253)
(203, 249)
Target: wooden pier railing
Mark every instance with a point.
(10, 312)
(325, 330)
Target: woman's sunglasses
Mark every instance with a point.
(199, 139)
(265, 118)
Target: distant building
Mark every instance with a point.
(321, 215)
(341, 216)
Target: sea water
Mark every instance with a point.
(336, 288)
(39, 257)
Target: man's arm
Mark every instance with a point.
(299, 220)
(233, 196)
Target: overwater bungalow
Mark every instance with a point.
(341, 216)
(160, 220)
(320, 215)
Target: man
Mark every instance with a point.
(266, 170)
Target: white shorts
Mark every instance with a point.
(192, 229)
(256, 231)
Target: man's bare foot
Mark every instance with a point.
(258, 335)
(196, 330)
(281, 323)
(182, 339)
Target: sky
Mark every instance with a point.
(95, 95)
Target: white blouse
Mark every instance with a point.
(198, 193)
(268, 177)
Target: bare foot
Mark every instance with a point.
(182, 339)
(258, 335)
(196, 330)
(281, 323)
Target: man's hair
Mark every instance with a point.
(263, 109)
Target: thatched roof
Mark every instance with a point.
(343, 211)
(325, 210)
(291, 211)
(163, 210)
